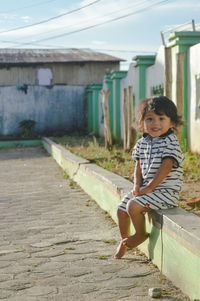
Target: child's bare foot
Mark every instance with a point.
(121, 250)
(134, 240)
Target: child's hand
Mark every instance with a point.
(136, 190)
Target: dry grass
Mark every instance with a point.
(121, 163)
(92, 149)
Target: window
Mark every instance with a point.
(44, 77)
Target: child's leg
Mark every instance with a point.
(123, 223)
(136, 213)
(124, 228)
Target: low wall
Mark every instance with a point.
(14, 143)
(174, 244)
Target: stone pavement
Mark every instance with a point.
(57, 244)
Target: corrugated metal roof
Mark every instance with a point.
(25, 56)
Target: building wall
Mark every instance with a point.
(194, 98)
(129, 80)
(155, 73)
(57, 108)
(60, 73)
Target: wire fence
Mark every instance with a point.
(189, 26)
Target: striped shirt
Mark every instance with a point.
(151, 153)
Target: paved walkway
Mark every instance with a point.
(57, 244)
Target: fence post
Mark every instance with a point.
(116, 77)
(125, 117)
(107, 132)
(168, 73)
(182, 110)
(131, 131)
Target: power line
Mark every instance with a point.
(50, 19)
(99, 24)
(37, 42)
(123, 50)
(32, 5)
(116, 11)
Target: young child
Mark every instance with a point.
(158, 170)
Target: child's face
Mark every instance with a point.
(156, 125)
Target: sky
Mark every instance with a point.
(121, 28)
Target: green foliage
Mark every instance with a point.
(103, 257)
(28, 127)
(70, 249)
(157, 90)
(65, 175)
(191, 167)
(72, 184)
(110, 241)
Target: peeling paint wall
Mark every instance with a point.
(53, 108)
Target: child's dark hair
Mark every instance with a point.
(159, 105)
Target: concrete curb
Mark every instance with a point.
(174, 244)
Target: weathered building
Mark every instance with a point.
(48, 86)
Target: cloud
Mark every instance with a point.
(26, 19)
(6, 16)
(99, 43)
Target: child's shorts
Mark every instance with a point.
(160, 199)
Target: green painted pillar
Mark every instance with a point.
(109, 84)
(95, 107)
(90, 109)
(179, 42)
(116, 76)
(142, 63)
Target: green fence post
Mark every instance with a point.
(116, 76)
(109, 84)
(90, 109)
(95, 106)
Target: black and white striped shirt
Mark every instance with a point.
(151, 153)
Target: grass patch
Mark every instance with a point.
(191, 167)
(70, 249)
(72, 184)
(103, 257)
(120, 162)
(93, 149)
(110, 241)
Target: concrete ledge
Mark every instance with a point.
(174, 244)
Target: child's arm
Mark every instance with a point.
(137, 179)
(161, 174)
